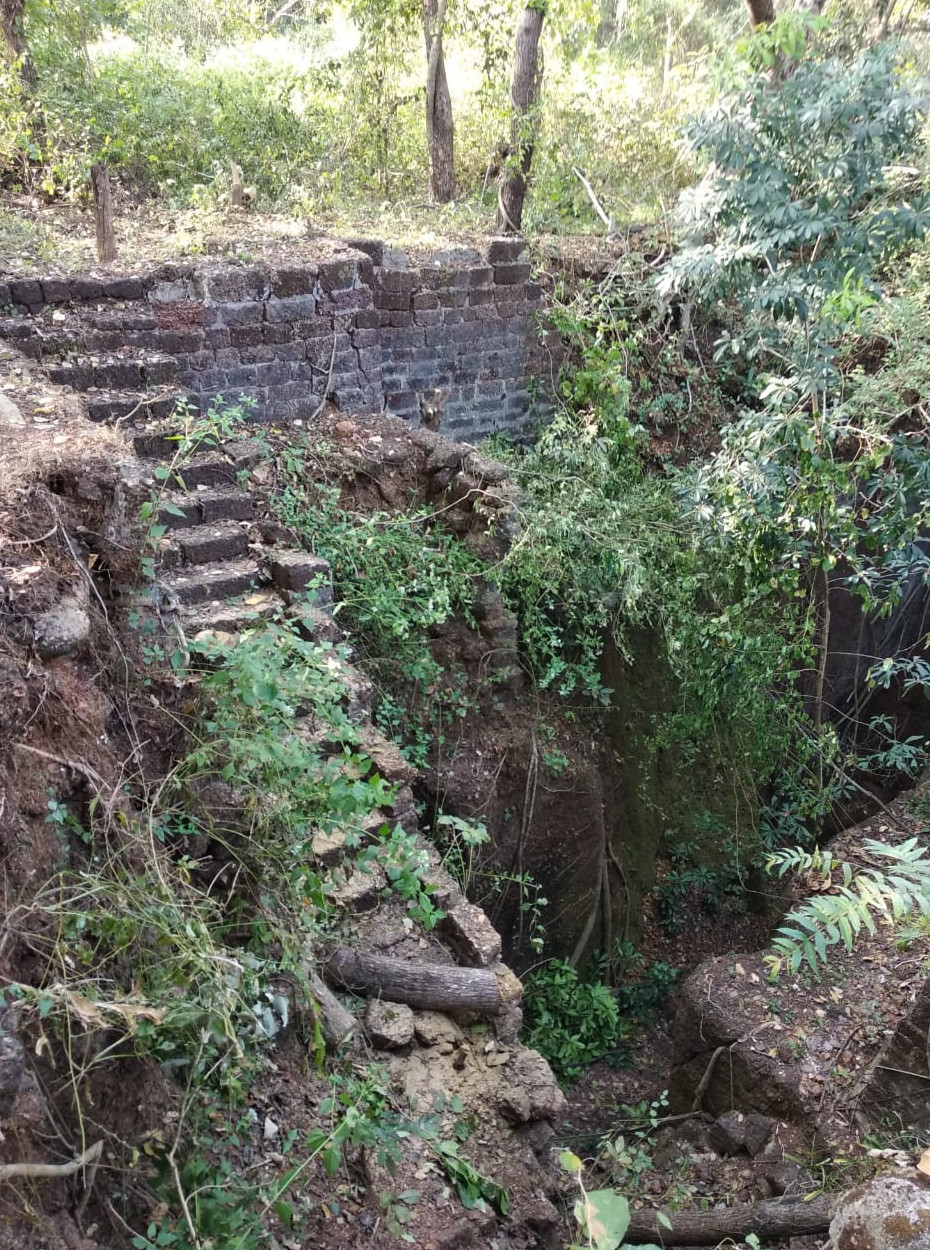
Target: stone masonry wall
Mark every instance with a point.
(364, 327)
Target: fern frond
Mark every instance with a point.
(866, 894)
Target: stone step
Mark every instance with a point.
(114, 373)
(297, 572)
(215, 581)
(233, 616)
(205, 507)
(208, 544)
(117, 405)
(212, 469)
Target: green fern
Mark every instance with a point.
(858, 897)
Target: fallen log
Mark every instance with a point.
(431, 987)
(773, 1220)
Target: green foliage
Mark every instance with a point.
(857, 896)
(797, 202)
(570, 1021)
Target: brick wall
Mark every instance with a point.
(364, 326)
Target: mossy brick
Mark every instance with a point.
(369, 359)
(26, 291)
(293, 280)
(271, 373)
(86, 290)
(404, 280)
(401, 320)
(216, 338)
(124, 289)
(118, 374)
(400, 401)
(511, 275)
(136, 319)
(505, 249)
(338, 274)
(424, 299)
(226, 358)
(290, 308)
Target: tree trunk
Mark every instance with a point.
(103, 214)
(761, 11)
(776, 1220)
(439, 126)
(432, 987)
(14, 39)
(524, 97)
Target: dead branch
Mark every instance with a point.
(52, 1171)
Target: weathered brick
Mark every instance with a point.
(424, 299)
(293, 280)
(350, 301)
(511, 275)
(241, 313)
(56, 290)
(367, 319)
(428, 317)
(480, 297)
(86, 289)
(6, 297)
(124, 288)
(234, 285)
(505, 249)
(369, 359)
(280, 332)
(453, 299)
(366, 338)
(290, 308)
(533, 292)
(25, 291)
(247, 336)
(482, 275)
(402, 320)
(338, 274)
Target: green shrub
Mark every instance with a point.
(570, 1021)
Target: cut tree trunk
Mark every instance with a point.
(524, 97)
(103, 214)
(431, 987)
(761, 12)
(440, 133)
(336, 1022)
(776, 1220)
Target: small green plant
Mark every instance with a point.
(602, 1215)
(570, 1021)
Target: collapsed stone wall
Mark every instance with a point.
(457, 336)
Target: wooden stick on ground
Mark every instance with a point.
(434, 987)
(773, 1220)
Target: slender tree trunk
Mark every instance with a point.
(103, 214)
(14, 39)
(524, 96)
(761, 12)
(439, 126)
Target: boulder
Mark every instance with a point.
(389, 1026)
(887, 1213)
(62, 630)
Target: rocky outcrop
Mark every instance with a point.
(898, 1089)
